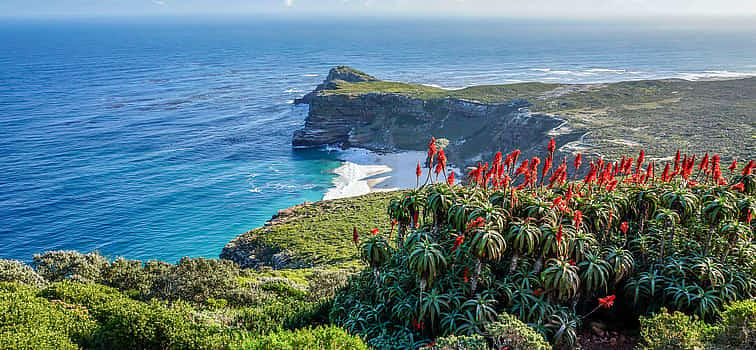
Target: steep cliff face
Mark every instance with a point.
(395, 122)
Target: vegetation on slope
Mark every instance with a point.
(659, 116)
(77, 301)
(481, 93)
(632, 238)
(317, 234)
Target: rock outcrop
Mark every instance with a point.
(340, 73)
(249, 251)
(394, 122)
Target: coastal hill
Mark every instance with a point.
(353, 109)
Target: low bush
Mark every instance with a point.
(324, 283)
(510, 333)
(70, 265)
(738, 325)
(28, 322)
(674, 331)
(196, 280)
(328, 337)
(127, 275)
(464, 342)
(130, 324)
(17, 271)
(281, 315)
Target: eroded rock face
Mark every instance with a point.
(249, 251)
(392, 122)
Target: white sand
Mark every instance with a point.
(363, 172)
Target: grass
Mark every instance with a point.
(483, 93)
(321, 233)
(660, 116)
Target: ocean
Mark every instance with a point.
(161, 138)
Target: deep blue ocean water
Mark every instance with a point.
(163, 138)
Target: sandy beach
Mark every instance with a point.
(364, 171)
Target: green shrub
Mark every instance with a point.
(510, 333)
(129, 324)
(329, 337)
(127, 275)
(283, 288)
(70, 265)
(197, 280)
(28, 322)
(473, 342)
(324, 284)
(674, 331)
(739, 325)
(17, 271)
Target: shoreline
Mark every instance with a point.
(363, 171)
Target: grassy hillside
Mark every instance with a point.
(660, 116)
(320, 234)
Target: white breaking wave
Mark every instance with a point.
(717, 74)
(351, 180)
(291, 91)
(606, 70)
(310, 75)
(542, 69)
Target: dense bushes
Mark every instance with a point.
(738, 325)
(194, 304)
(510, 333)
(69, 265)
(28, 322)
(197, 280)
(665, 331)
(16, 271)
(524, 240)
(327, 337)
(130, 324)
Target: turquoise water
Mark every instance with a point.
(162, 138)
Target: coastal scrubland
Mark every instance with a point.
(522, 254)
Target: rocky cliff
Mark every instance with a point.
(387, 121)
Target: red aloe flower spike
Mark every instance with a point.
(606, 302)
(552, 146)
(559, 234)
(740, 187)
(649, 172)
(467, 269)
(733, 166)
(578, 219)
(442, 158)
(374, 231)
(523, 168)
(641, 158)
(704, 162)
(450, 179)
(665, 174)
(578, 161)
(416, 219)
(458, 242)
(749, 218)
(748, 168)
(418, 172)
(677, 161)
(355, 236)
(624, 227)
(431, 149)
